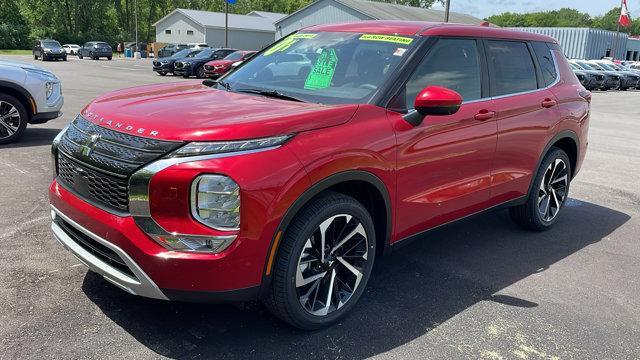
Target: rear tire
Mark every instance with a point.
(35, 57)
(13, 126)
(310, 288)
(109, 57)
(548, 194)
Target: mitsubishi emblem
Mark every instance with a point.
(87, 148)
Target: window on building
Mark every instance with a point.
(168, 32)
(547, 64)
(189, 32)
(452, 63)
(512, 67)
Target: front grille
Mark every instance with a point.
(96, 162)
(95, 248)
(208, 67)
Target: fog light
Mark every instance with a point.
(210, 244)
(215, 202)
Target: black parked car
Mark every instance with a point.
(590, 79)
(611, 79)
(171, 49)
(195, 65)
(48, 49)
(95, 50)
(164, 65)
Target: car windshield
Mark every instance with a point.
(51, 43)
(180, 54)
(597, 67)
(234, 56)
(206, 53)
(193, 53)
(585, 66)
(325, 67)
(607, 67)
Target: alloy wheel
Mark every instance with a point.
(331, 265)
(553, 189)
(9, 119)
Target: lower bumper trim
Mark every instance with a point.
(239, 295)
(141, 285)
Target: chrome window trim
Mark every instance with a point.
(139, 194)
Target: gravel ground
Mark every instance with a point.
(480, 288)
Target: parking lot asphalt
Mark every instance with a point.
(479, 288)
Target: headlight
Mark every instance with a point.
(49, 86)
(41, 74)
(215, 202)
(205, 148)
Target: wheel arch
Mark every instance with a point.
(568, 141)
(364, 186)
(21, 94)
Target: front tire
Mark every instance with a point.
(13, 119)
(323, 263)
(548, 194)
(200, 72)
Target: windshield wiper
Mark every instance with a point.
(270, 93)
(210, 83)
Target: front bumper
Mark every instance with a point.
(184, 71)
(98, 255)
(163, 68)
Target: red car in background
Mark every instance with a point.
(216, 68)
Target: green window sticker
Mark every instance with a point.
(322, 73)
(387, 38)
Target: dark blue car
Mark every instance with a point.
(164, 65)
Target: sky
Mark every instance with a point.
(484, 8)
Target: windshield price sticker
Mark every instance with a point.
(387, 38)
(322, 73)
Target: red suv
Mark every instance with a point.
(216, 68)
(287, 178)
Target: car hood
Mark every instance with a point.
(22, 65)
(193, 112)
(221, 62)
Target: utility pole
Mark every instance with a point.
(615, 42)
(446, 11)
(135, 15)
(226, 23)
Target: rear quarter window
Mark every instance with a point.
(546, 62)
(512, 67)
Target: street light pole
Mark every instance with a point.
(135, 15)
(446, 11)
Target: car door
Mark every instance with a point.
(444, 164)
(526, 115)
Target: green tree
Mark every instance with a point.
(13, 26)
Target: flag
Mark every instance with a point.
(624, 19)
(231, 1)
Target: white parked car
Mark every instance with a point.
(71, 49)
(197, 46)
(28, 94)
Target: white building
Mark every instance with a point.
(247, 32)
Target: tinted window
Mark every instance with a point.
(451, 63)
(513, 68)
(547, 65)
(234, 56)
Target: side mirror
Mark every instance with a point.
(434, 100)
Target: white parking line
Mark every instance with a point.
(119, 68)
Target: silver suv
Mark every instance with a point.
(28, 94)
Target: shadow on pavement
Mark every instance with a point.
(410, 293)
(33, 136)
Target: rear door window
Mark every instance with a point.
(512, 67)
(546, 62)
(451, 63)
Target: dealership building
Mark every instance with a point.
(248, 32)
(335, 11)
(588, 43)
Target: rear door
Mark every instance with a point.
(526, 113)
(444, 164)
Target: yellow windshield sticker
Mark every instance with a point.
(322, 73)
(286, 43)
(387, 38)
(304, 36)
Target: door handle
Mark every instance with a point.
(547, 103)
(484, 114)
